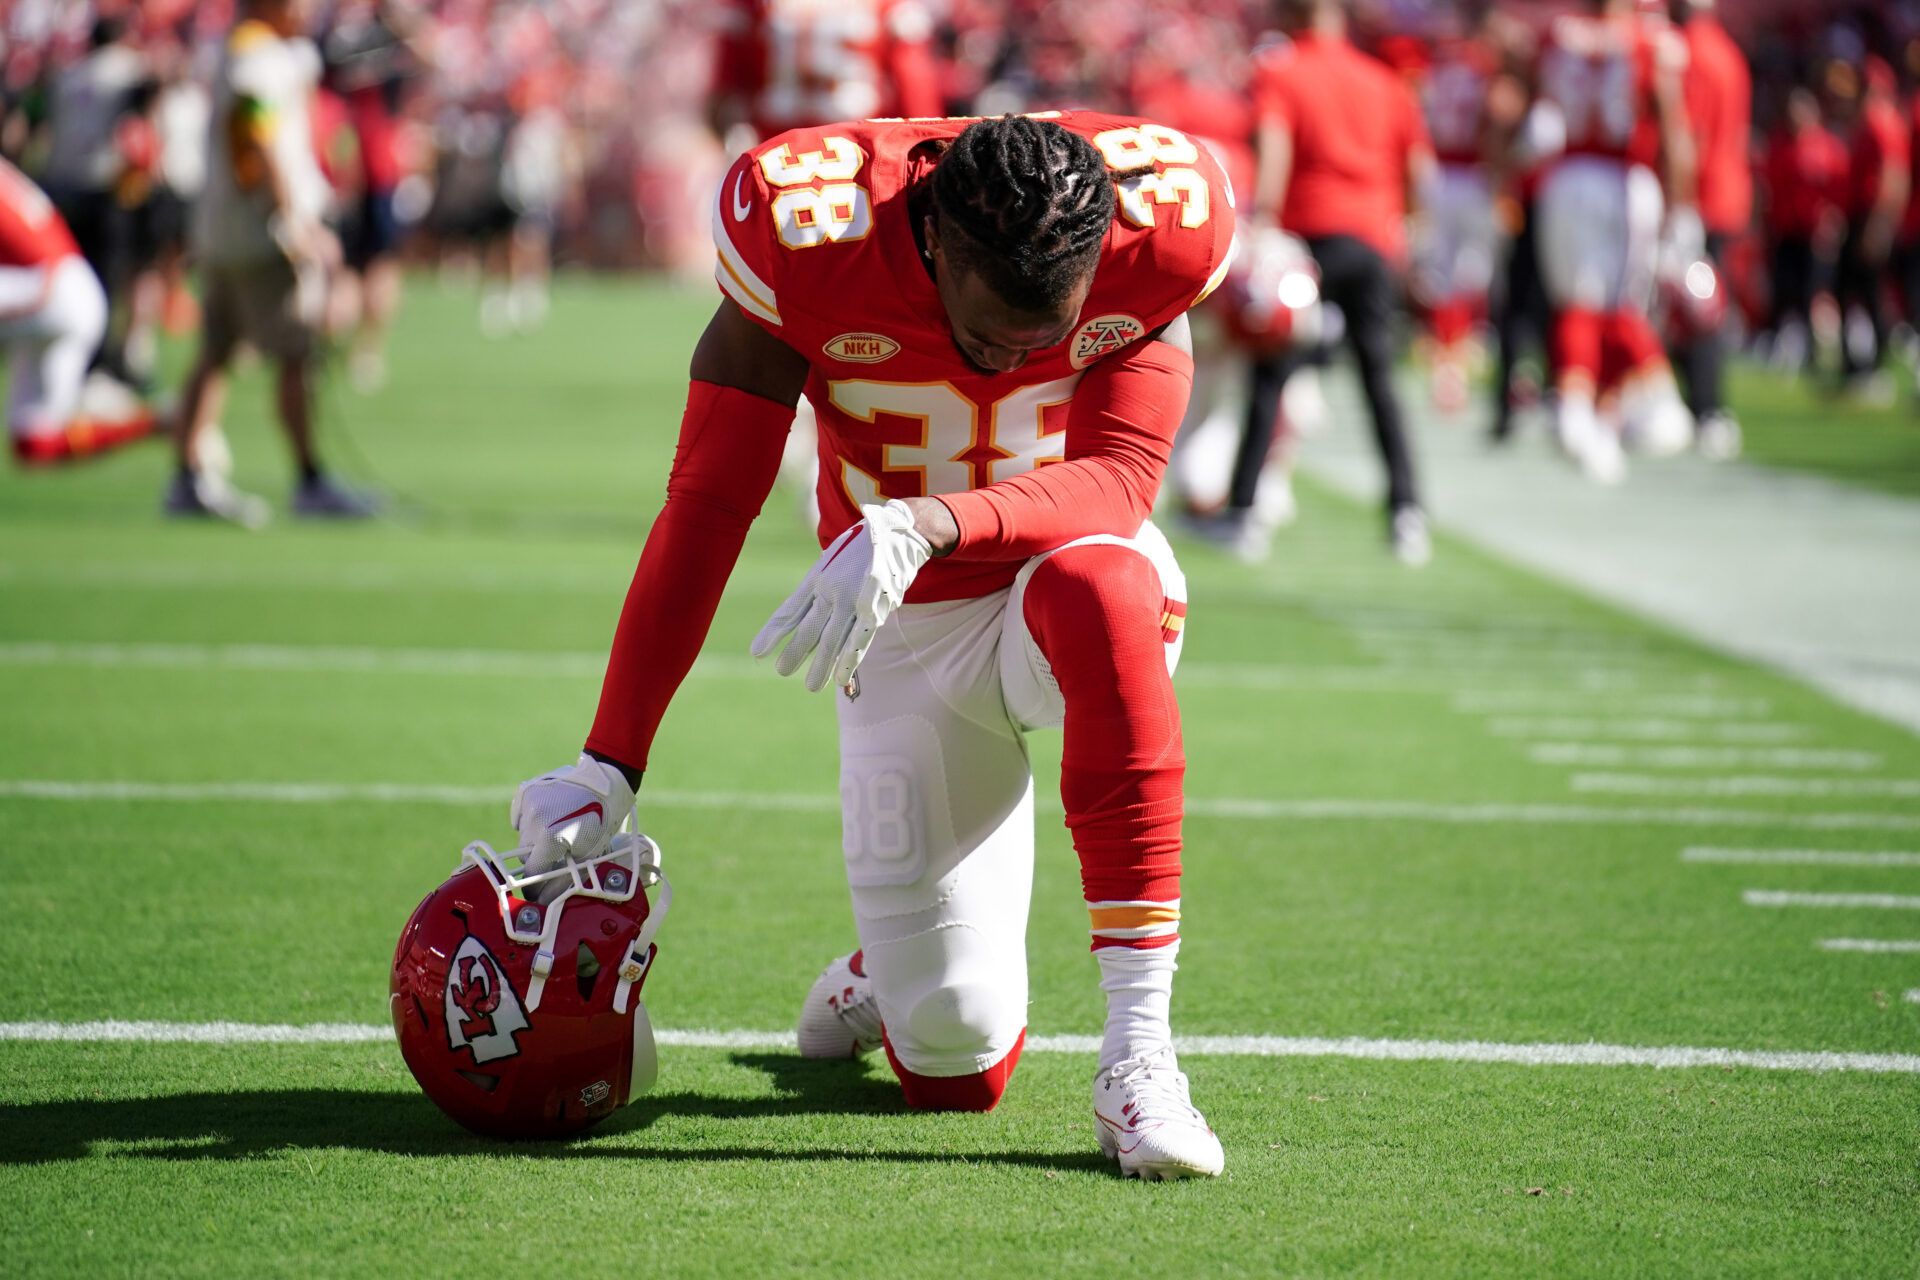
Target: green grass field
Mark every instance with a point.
(1416, 820)
(1793, 423)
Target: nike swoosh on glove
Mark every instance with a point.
(851, 590)
(570, 813)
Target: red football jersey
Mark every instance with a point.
(806, 62)
(1454, 94)
(1880, 141)
(815, 232)
(1806, 176)
(1719, 91)
(1600, 73)
(31, 230)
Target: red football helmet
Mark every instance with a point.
(522, 1018)
(1270, 299)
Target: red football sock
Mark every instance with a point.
(1452, 321)
(1100, 617)
(1577, 334)
(1631, 333)
(84, 438)
(979, 1091)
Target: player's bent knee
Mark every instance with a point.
(960, 1021)
(1090, 593)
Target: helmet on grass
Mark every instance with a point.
(522, 1018)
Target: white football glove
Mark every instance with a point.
(851, 590)
(570, 813)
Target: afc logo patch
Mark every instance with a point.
(862, 348)
(483, 1013)
(1104, 335)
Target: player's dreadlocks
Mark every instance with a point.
(1031, 201)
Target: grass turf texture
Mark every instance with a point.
(1797, 424)
(1330, 672)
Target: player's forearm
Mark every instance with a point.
(1273, 170)
(1679, 159)
(729, 454)
(1119, 439)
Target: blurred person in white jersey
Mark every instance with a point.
(1617, 199)
(264, 255)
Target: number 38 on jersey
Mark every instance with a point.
(817, 200)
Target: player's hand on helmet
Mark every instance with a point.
(570, 813)
(851, 590)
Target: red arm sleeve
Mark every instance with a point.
(1120, 431)
(724, 468)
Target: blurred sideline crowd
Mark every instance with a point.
(1593, 199)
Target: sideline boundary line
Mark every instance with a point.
(1383, 1050)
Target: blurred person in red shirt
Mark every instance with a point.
(1805, 177)
(1617, 197)
(1719, 96)
(1341, 149)
(1907, 251)
(1878, 181)
(785, 64)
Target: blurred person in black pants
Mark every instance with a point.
(1719, 96)
(1340, 177)
(1805, 180)
(1878, 183)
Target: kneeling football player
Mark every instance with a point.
(53, 314)
(989, 320)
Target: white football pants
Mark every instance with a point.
(1454, 257)
(49, 341)
(936, 802)
(1599, 234)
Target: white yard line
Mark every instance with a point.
(1239, 1046)
(1801, 857)
(1874, 946)
(1868, 901)
(1222, 807)
(1644, 784)
(1692, 756)
(1644, 729)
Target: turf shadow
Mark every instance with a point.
(263, 1123)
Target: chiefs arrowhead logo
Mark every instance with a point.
(1104, 335)
(483, 1013)
(862, 348)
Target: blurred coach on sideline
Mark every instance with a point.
(1341, 148)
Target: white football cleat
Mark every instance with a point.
(840, 1018)
(1145, 1119)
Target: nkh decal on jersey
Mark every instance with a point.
(1104, 335)
(483, 1013)
(861, 348)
